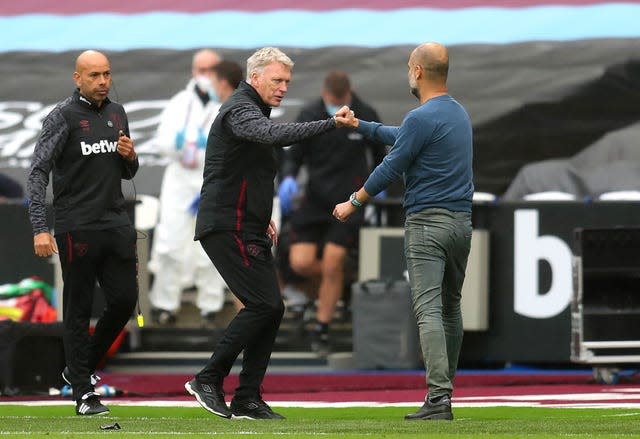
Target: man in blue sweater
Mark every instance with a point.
(433, 152)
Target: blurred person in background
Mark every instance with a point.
(338, 163)
(182, 137)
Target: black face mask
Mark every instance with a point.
(415, 92)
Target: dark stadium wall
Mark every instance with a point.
(528, 101)
(541, 79)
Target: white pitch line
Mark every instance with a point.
(629, 390)
(457, 403)
(551, 397)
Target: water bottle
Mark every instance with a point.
(189, 155)
(107, 390)
(66, 390)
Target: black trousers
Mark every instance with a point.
(108, 256)
(245, 262)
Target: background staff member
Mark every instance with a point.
(338, 162)
(182, 138)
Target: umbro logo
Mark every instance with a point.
(103, 146)
(253, 250)
(207, 388)
(81, 248)
(251, 406)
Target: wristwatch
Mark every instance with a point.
(354, 200)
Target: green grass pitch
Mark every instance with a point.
(361, 422)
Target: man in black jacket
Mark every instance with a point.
(235, 228)
(338, 163)
(84, 143)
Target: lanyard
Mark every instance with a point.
(205, 122)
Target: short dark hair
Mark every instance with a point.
(229, 71)
(337, 83)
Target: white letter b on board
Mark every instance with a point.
(529, 248)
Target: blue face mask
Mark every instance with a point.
(213, 95)
(205, 85)
(332, 109)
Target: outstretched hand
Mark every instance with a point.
(343, 111)
(346, 118)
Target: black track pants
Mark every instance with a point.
(108, 256)
(246, 264)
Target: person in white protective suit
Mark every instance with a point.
(182, 137)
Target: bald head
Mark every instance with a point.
(89, 58)
(206, 56)
(203, 62)
(93, 76)
(434, 59)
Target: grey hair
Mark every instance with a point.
(265, 56)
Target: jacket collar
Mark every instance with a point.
(252, 93)
(87, 103)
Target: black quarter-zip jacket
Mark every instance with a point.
(77, 145)
(240, 167)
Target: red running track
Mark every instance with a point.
(371, 388)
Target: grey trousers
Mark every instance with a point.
(437, 244)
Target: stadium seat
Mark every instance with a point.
(550, 196)
(147, 210)
(619, 196)
(484, 197)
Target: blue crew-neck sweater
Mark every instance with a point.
(433, 152)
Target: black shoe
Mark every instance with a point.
(66, 376)
(163, 317)
(209, 397)
(252, 409)
(320, 343)
(440, 409)
(90, 404)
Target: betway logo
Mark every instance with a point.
(98, 147)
